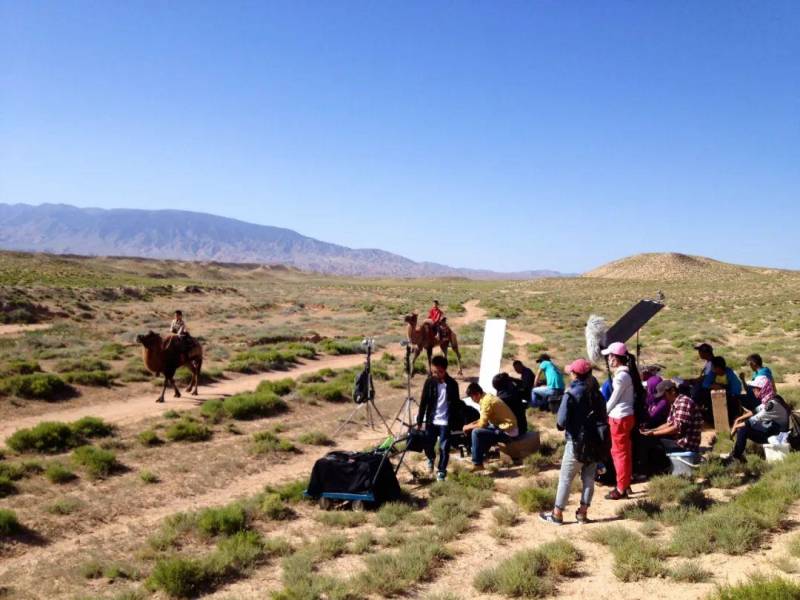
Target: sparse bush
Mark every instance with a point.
(7, 487)
(92, 427)
(225, 520)
(9, 524)
(635, 557)
(148, 437)
(339, 347)
(58, 473)
(89, 378)
(330, 546)
(273, 507)
(690, 572)
(46, 437)
(759, 587)
(188, 431)
(341, 519)
(315, 438)
(148, 477)
(337, 390)
(266, 442)
(281, 387)
(506, 516)
(530, 573)
(254, 405)
(97, 462)
(535, 499)
(64, 506)
(363, 542)
(292, 491)
(82, 364)
(392, 572)
(35, 386)
(266, 358)
(91, 569)
(20, 367)
(179, 577)
(392, 513)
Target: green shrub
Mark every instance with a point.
(112, 351)
(82, 364)
(36, 386)
(254, 405)
(46, 437)
(473, 480)
(635, 557)
(506, 516)
(759, 587)
(535, 499)
(341, 519)
(148, 477)
(92, 427)
(392, 513)
(188, 431)
(339, 347)
(281, 387)
(7, 487)
(530, 573)
(292, 491)
(315, 438)
(148, 437)
(180, 577)
(225, 520)
(391, 573)
(9, 524)
(337, 390)
(273, 507)
(266, 358)
(64, 506)
(89, 378)
(266, 442)
(58, 473)
(20, 367)
(97, 462)
(690, 572)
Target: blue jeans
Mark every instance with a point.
(483, 439)
(542, 395)
(442, 432)
(569, 468)
(753, 431)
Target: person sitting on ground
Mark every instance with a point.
(657, 407)
(582, 406)
(526, 379)
(621, 419)
(548, 382)
(441, 410)
(770, 418)
(509, 393)
(681, 432)
(756, 364)
(496, 424)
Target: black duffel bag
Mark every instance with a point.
(354, 473)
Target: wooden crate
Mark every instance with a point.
(719, 406)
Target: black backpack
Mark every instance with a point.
(363, 389)
(593, 442)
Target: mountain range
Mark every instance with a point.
(185, 235)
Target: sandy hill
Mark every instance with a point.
(671, 266)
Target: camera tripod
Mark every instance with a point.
(405, 414)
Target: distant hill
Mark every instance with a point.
(175, 234)
(672, 266)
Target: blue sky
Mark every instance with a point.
(504, 135)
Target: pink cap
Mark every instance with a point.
(580, 366)
(617, 349)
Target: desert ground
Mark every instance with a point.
(201, 496)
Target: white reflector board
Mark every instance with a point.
(491, 352)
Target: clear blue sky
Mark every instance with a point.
(504, 135)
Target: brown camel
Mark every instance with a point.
(423, 337)
(164, 355)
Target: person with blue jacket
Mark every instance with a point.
(581, 403)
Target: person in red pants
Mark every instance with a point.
(621, 419)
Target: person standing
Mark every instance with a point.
(621, 419)
(441, 410)
(581, 409)
(549, 382)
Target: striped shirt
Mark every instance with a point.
(685, 415)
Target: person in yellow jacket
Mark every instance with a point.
(496, 424)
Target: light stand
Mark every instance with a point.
(365, 397)
(405, 414)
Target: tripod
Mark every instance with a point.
(405, 415)
(364, 395)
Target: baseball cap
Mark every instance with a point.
(580, 366)
(617, 349)
(704, 347)
(759, 382)
(664, 386)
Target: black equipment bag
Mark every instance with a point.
(363, 388)
(419, 441)
(354, 473)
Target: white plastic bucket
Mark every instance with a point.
(683, 463)
(776, 452)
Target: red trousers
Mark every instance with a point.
(622, 449)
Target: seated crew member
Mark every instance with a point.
(681, 432)
(756, 364)
(526, 379)
(509, 393)
(771, 417)
(548, 382)
(657, 407)
(496, 424)
(441, 410)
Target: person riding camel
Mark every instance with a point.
(436, 317)
(178, 327)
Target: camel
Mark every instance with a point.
(423, 337)
(162, 355)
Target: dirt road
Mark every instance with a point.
(18, 329)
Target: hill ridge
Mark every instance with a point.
(669, 266)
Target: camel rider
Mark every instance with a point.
(435, 316)
(179, 328)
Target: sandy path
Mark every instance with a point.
(131, 410)
(17, 329)
(472, 313)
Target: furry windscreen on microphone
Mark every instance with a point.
(596, 328)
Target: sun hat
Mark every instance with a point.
(579, 366)
(617, 349)
(664, 386)
(759, 382)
